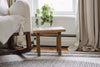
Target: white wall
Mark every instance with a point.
(67, 22)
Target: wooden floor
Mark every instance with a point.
(50, 49)
(54, 49)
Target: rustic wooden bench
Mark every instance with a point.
(50, 31)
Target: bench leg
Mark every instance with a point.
(38, 43)
(59, 43)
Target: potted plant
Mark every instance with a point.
(45, 14)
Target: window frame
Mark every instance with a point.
(35, 4)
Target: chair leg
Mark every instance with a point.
(11, 42)
(28, 40)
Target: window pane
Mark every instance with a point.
(58, 5)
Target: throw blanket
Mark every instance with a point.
(9, 25)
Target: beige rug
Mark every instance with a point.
(70, 60)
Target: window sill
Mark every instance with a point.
(70, 16)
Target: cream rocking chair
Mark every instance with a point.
(22, 8)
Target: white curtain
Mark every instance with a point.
(88, 31)
(3, 7)
(75, 46)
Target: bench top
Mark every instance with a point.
(49, 30)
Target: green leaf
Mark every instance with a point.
(44, 13)
(38, 11)
(33, 34)
(51, 21)
(51, 16)
(47, 16)
(34, 38)
(46, 5)
(42, 18)
(51, 12)
(35, 15)
(36, 21)
(47, 20)
(42, 23)
(53, 9)
(44, 8)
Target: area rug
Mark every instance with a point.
(65, 54)
(50, 59)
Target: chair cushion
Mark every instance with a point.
(3, 7)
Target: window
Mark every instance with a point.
(62, 7)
